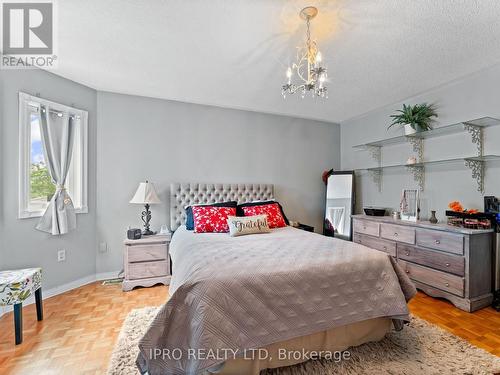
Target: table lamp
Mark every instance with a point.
(146, 195)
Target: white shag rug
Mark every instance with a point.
(420, 348)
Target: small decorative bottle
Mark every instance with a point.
(433, 218)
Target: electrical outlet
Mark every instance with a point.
(103, 247)
(61, 255)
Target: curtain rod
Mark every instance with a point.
(59, 113)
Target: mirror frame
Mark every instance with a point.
(353, 197)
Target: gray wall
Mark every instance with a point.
(141, 138)
(474, 96)
(164, 141)
(21, 244)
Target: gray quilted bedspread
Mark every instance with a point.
(236, 293)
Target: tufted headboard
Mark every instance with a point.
(182, 195)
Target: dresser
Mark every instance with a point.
(442, 260)
(146, 262)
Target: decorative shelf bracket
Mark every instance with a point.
(476, 133)
(418, 146)
(477, 168)
(418, 174)
(375, 153)
(376, 175)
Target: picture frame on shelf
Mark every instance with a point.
(410, 205)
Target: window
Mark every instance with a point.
(35, 184)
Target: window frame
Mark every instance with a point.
(26, 101)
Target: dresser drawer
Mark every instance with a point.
(452, 243)
(144, 253)
(398, 233)
(434, 259)
(444, 281)
(386, 246)
(366, 227)
(147, 269)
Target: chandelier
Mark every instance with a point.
(311, 75)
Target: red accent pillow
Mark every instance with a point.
(212, 219)
(274, 217)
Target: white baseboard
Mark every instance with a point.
(64, 288)
(106, 275)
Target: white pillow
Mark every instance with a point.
(241, 225)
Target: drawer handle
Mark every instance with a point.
(407, 271)
(447, 284)
(395, 234)
(447, 264)
(364, 227)
(407, 253)
(385, 247)
(437, 242)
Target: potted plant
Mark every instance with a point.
(416, 118)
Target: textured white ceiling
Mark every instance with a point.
(233, 53)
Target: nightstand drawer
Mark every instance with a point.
(147, 269)
(435, 259)
(366, 227)
(452, 243)
(144, 253)
(398, 233)
(388, 247)
(444, 281)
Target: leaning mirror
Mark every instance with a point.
(339, 204)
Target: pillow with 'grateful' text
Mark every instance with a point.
(241, 225)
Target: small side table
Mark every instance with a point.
(305, 227)
(15, 287)
(146, 262)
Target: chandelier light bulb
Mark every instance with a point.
(289, 73)
(318, 57)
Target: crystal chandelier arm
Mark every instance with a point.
(292, 89)
(299, 67)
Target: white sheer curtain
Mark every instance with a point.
(336, 216)
(57, 138)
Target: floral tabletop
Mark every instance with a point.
(17, 285)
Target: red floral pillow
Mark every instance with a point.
(212, 219)
(275, 218)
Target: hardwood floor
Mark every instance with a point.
(77, 334)
(481, 328)
(80, 327)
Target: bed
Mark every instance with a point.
(279, 291)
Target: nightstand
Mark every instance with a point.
(146, 262)
(305, 227)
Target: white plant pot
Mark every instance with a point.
(409, 130)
